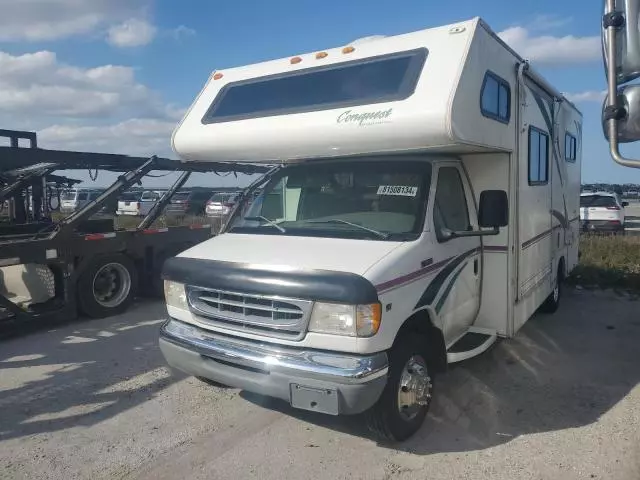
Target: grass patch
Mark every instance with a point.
(608, 261)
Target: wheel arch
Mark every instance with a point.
(562, 267)
(422, 323)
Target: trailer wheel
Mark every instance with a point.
(107, 286)
(552, 302)
(401, 409)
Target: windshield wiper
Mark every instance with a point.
(267, 221)
(344, 222)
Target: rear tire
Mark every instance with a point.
(552, 302)
(403, 405)
(107, 286)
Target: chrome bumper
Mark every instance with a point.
(333, 367)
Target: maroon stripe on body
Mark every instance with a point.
(409, 277)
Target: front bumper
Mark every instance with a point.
(328, 382)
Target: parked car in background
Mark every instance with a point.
(221, 204)
(76, 198)
(602, 211)
(189, 202)
(142, 206)
(129, 203)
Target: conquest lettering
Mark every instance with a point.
(353, 117)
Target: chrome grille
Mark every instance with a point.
(261, 314)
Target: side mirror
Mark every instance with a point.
(625, 204)
(624, 17)
(629, 126)
(494, 209)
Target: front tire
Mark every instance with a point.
(401, 409)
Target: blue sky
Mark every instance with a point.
(115, 75)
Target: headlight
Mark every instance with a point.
(175, 295)
(349, 320)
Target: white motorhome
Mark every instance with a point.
(425, 201)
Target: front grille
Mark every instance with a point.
(261, 314)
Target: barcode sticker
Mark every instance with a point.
(402, 190)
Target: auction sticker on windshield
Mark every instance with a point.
(403, 190)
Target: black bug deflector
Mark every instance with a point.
(320, 285)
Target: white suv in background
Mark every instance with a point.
(602, 211)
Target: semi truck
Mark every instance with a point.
(55, 269)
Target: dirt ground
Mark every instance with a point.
(94, 400)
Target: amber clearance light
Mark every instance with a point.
(295, 60)
(348, 49)
(217, 76)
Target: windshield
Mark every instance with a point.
(129, 197)
(217, 198)
(597, 201)
(69, 195)
(360, 199)
(150, 196)
(180, 197)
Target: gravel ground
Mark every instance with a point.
(94, 400)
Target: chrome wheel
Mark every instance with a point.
(414, 390)
(111, 285)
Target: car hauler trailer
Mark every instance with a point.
(426, 203)
(50, 270)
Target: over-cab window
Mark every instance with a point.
(366, 81)
(538, 156)
(570, 147)
(495, 98)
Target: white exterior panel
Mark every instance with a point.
(420, 122)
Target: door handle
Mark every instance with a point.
(475, 266)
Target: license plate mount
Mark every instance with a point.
(315, 399)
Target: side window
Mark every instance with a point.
(495, 98)
(570, 147)
(273, 202)
(450, 206)
(538, 157)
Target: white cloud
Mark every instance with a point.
(103, 108)
(131, 33)
(182, 31)
(39, 20)
(136, 136)
(587, 96)
(548, 22)
(37, 84)
(548, 49)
